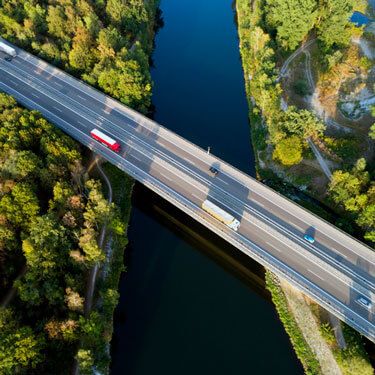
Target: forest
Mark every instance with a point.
(50, 215)
(50, 209)
(106, 43)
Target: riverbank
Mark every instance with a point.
(264, 99)
(115, 245)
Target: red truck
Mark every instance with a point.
(103, 138)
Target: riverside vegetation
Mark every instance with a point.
(50, 211)
(270, 30)
(50, 215)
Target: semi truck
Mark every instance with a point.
(7, 49)
(221, 215)
(107, 141)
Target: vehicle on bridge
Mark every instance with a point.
(107, 141)
(8, 50)
(309, 238)
(364, 302)
(221, 215)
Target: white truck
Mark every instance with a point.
(7, 49)
(221, 215)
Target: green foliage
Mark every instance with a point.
(91, 39)
(85, 361)
(301, 87)
(356, 193)
(19, 346)
(302, 123)
(21, 205)
(51, 220)
(371, 133)
(19, 165)
(327, 333)
(353, 359)
(288, 151)
(334, 26)
(292, 19)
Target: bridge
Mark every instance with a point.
(334, 271)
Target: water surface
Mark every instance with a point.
(190, 303)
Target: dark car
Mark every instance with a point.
(214, 171)
(8, 58)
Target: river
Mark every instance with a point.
(190, 303)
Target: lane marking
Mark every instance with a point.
(57, 109)
(298, 227)
(188, 160)
(196, 196)
(81, 97)
(273, 246)
(37, 96)
(259, 204)
(82, 123)
(165, 176)
(224, 182)
(135, 157)
(313, 273)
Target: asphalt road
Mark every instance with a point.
(334, 271)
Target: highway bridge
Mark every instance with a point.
(334, 271)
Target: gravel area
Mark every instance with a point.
(310, 329)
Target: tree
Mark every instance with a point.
(19, 346)
(21, 164)
(302, 123)
(372, 132)
(292, 19)
(288, 151)
(81, 57)
(20, 206)
(46, 251)
(109, 42)
(334, 25)
(85, 361)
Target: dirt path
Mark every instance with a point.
(94, 271)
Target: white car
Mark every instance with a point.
(364, 302)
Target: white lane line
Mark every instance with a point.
(165, 176)
(57, 109)
(135, 157)
(82, 123)
(298, 227)
(273, 246)
(35, 95)
(81, 97)
(14, 82)
(224, 182)
(189, 161)
(319, 277)
(58, 84)
(196, 196)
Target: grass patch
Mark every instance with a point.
(353, 359)
(302, 349)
